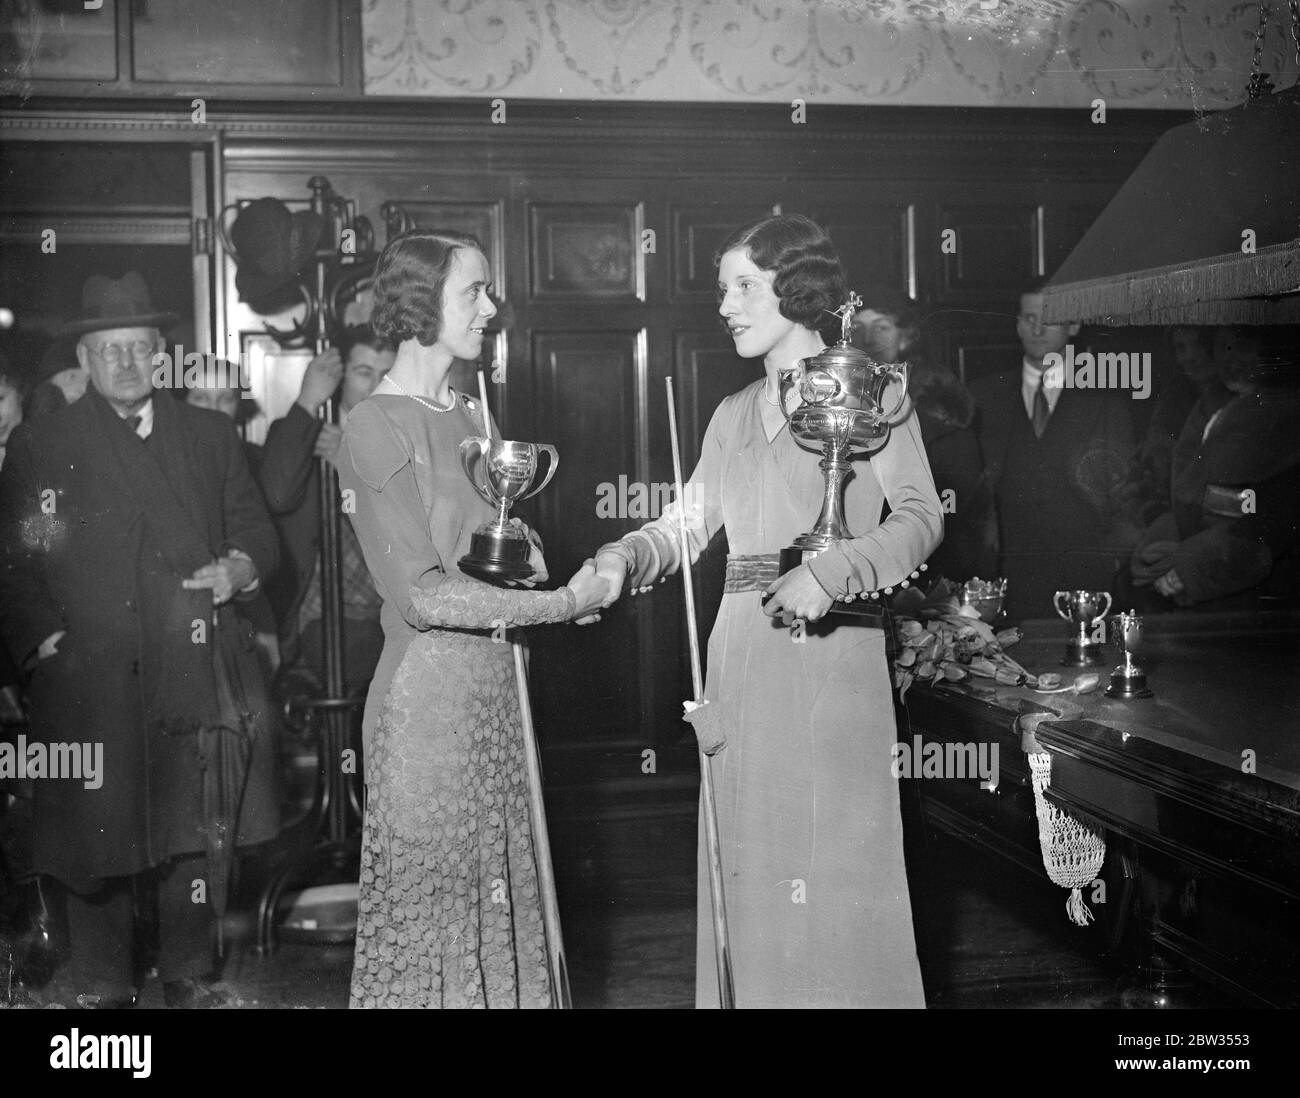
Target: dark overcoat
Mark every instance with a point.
(98, 528)
(289, 476)
(1064, 521)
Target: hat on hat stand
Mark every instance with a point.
(270, 246)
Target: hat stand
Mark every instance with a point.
(327, 842)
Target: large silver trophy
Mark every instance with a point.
(840, 412)
(502, 472)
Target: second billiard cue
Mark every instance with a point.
(542, 841)
(536, 804)
(713, 845)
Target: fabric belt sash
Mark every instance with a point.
(756, 573)
(753, 573)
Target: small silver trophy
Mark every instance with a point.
(1128, 680)
(841, 413)
(502, 472)
(1082, 609)
(985, 597)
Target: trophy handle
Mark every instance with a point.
(472, 450)
(544, 448)
(1108, 605)
(900, 371)
(1056, 602)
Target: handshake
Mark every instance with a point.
(597, 585)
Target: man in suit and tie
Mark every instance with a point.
(128, 523)
(1056, 457)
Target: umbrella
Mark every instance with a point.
(1205, 231)
(225, 752)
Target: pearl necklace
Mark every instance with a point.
(426, 402)
(775, 403)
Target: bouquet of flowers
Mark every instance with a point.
(939, 638)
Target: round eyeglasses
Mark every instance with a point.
(114, 354)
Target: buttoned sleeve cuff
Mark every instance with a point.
(839, 575)
(650, 555)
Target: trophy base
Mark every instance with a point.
(496, 558)
(794, 555)
(1126, 687)
(1089, 655)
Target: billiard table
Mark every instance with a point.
(1196, 790)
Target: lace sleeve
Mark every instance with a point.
(456, 603)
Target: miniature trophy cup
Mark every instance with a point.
(1081, 609)
(841, 391)
(502, 472)
(1128, 680)
(985, 597)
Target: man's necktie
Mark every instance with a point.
(1041, 410)
(134, 423)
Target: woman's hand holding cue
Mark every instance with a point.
(796, 595)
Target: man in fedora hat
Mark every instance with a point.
(128, 524)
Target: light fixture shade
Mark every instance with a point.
(1205, 231)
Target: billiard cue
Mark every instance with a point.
(713, 846)
(542, 841)
(537, 805)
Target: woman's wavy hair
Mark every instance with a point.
(408, 282)
(809, 278)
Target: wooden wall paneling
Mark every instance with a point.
(978, 354)
(585, 387)
(698, 231)
(706, 368)
(202, 247)
(308, 49)
(111, 208)
(288, 42)
(56, 43)
(996, 249)
(586, 250)
(872, 239)
(1064, 226)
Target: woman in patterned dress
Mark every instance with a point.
(801, 713)
(449, 913)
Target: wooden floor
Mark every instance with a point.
(989, 935)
